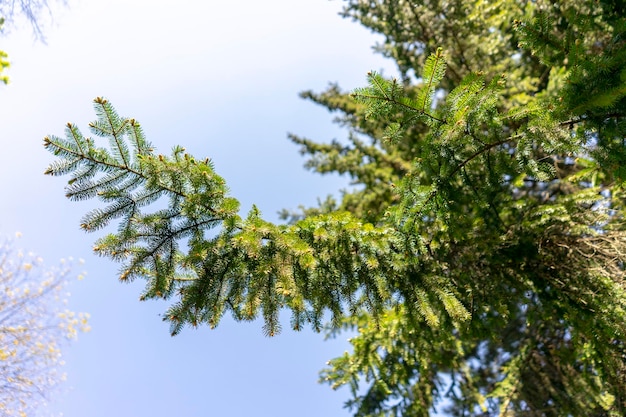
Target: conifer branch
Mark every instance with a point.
(81, 155)
(479, 152)
(433, 71)
(400, 104)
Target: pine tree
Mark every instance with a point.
(480, 257)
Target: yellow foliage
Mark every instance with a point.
(33, 329)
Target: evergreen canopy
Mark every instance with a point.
(480, 256)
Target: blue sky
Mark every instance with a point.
(220, 78)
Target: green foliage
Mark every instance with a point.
(479, 258)
(4, 64)
(247, 266)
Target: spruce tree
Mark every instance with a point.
(480, 256)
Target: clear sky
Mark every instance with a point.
(220, 78)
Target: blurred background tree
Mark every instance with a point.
(37, 13)
(11, 11)
(4, 63)
(34, 326)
